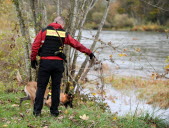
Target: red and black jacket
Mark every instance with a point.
(48, 42)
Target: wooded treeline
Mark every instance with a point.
(143, 11)
(128, 13)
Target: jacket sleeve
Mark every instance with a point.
(77, 45)
(36, 45)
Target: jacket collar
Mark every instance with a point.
(56, 25)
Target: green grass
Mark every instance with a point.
(145, 120)
(12, 116)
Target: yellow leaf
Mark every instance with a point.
(93, 94)
(122, 54)
(137, 49)
(113, 101)
(114, 118)
(71, 87)
(167, 66)
(61, 87)
(66, 111)
(106, 104)
(154, 75)
(111, 56)
(84, 117)
(70, 83)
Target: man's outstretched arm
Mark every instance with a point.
(77, 45)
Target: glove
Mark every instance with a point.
(92, 56)
(34, 63)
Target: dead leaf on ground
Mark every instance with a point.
(8, 122)
(26, 104)
(15, 105)
(21, 115)
(5, 125)
(84, 117)
(71, 117)
(60, 117)
(30, 126)
(153, 126)
(66, 111)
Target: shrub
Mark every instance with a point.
(90, 25)
(149, 27)
(167, 23)
(122, 20)
(97, 16)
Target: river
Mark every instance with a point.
(146, 51)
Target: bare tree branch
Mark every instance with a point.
(94, 43)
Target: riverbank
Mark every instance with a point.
(151, 27)
(143, 28)
(85, 113)
(155, 92)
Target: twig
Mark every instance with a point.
(155, 6)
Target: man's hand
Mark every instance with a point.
(93, 60)
(92, 56)
(34, 63)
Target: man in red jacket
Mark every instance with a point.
(49, 44)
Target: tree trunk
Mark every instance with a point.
(25, 34)
(33, 3)
(58, 13)
(45, 16)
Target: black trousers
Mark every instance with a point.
(47, 69)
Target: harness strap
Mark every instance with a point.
(49, 94)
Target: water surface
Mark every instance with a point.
(146, 51)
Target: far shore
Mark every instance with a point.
(149, 28)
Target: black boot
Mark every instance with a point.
(55, 114)
(36, 114)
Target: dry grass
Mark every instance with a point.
(126, 82)
(158, 93)
(149, 27)
(155, 92)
